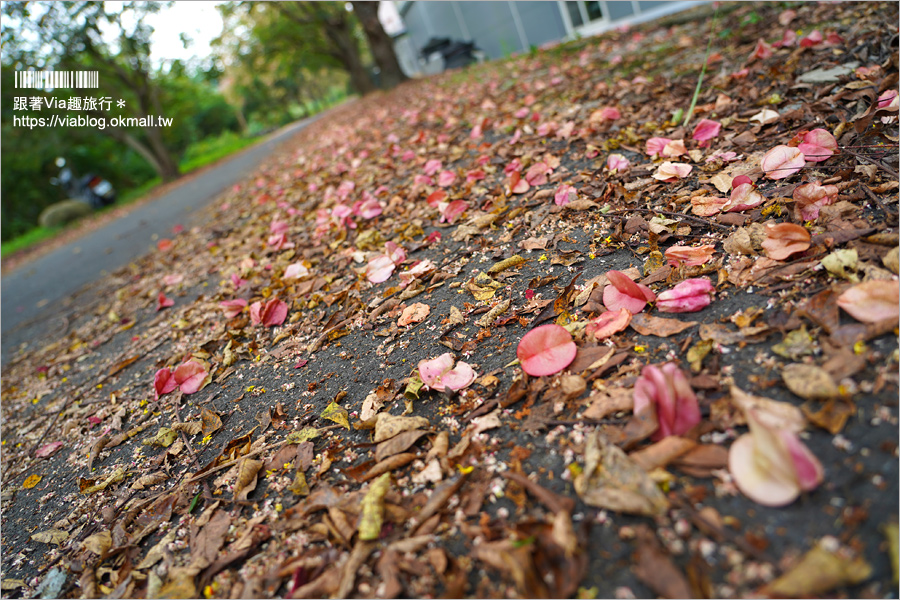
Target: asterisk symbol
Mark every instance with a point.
(120, 103)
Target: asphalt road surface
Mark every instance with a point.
(32, 294)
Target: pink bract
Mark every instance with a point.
(625, 293)
(295, 271)
(782, 161)
(162, 301)
(446, 178)
(706, 130)
(689, 256)
(190, 376)
(273, 312)
(617, 162)
(440, 374)
(872, 301)
(810, 197)
(163, 382)
(666, 390)
(233, 308)
(379, 269)
(743, 197)
(818, 145)
(564, 194)
(669, 171)
(546, 350)
(690, 295)
(609, 323)
(655, 145)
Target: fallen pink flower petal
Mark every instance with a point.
(669, 171)
(617, 163)
(723, 156)
(517, 183)
(888, 100)
(814, 38)
(451, 211)
(565, 194)
(163, 382)
(232, 308)
(690, 295)
(743, 197)
(279, 241)
(421, 268)
(782, 161)
(47, 450)
(279, 227)
(785, 239)
(546, 350)
(655, 145)
(273, 312)
(740, 180)
(666, 391)
(162, 302)
(609, 323)
(872, 301)
(190, 376)
(706, 130)
(673, 149)
(788, 39)
(601, 115)
(446, 178)
(173, 279)
(395, 252)
(432, 167)
(762, 51)
(689, 256)
(295, 271)
(810, 197)
(537, 174)
(771, 466)
(440, 374)
(622, 292)
(707, 206)
(379, 269)
(414, 313)
(818, 145)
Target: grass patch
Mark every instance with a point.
(35, 236)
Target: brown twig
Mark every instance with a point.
(877, 163)
(678, 215)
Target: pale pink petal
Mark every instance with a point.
(666, 391)
(689, 256)
(295, 271)
(379, 269)
(609, 323)
(396, 253)
(617, 162)
(743, 197)
(459, 377)
(807, 467)
(811, 197)
(48, 449)
(537, 174)
(782, 161)
(174, 279)
(432, 166)
(762, 50)
(546, 350)
(655, 145)
(414, 313)
(446, 178)
(818, 145)
(706, 129)
(453, 211)
(673, 149)
(190, 376)
(233, 308)
(872, 301)
(814, 38)
(256, 313)
(669, 171)
(690, 295)
(564, 194)
(430, 371)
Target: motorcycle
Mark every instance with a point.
(85, 195)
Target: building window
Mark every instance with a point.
(594, 11)
(574, 14)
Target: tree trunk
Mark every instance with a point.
(380, 44)
(348, 52)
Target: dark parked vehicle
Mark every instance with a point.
(85, 194)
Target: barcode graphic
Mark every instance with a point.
(57, 79)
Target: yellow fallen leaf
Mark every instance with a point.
(507, 263)
(51, 536)
(305, 434)
(337, 413)
(32, 481)
(819, 571)
(373, 508)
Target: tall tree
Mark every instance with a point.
(72, 36)
(380, 44)
(333, 20)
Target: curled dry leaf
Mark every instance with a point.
(440, 374)
(872, 301)
(784, 239)
(546, 350)
(810, 382)
(782, 161)
(770, 465)
(690, 295)
(666, 391)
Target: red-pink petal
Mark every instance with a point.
(48, 449)
(446, 178)
(743, 197)
(782, 161)
(872, 301)
(564, 194)
(163, 382)
(453, 210)
(546, 350)
(233, 308)
(810, 197)
(706, 129)
(609, 323)
(274, 313)
(690, 295)
(190, 376)
(655, 145)
(818, 145)
(162, 302)
(689, 256)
